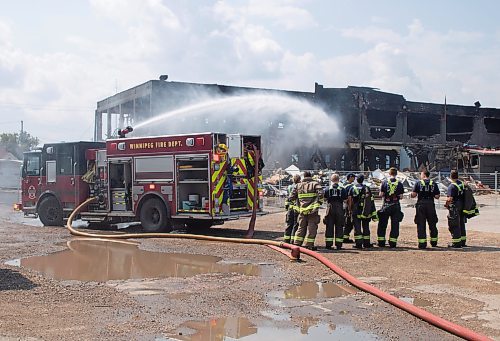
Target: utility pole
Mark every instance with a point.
(21, 133)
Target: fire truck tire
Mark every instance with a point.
(154, 216)
(50, 212)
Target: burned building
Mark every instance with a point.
(381, 129)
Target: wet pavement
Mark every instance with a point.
(309, 290)
(276, 300)
(101, 260)
(237, 328)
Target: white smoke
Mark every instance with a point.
(284, 122)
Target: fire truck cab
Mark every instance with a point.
(196, 179)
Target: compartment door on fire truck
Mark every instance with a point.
(120, 181)
(193, 186)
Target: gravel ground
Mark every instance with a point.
(462, 286)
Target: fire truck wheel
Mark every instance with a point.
(50, 212)
(154, 217)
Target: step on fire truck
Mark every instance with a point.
(197, 180)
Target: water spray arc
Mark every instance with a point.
(279, 119)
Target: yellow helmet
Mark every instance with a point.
(222, 148)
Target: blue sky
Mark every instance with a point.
(58, 58)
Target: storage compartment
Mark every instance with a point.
(118, 202)
(239, 198)
(192, 184)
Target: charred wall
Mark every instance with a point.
(377, 125)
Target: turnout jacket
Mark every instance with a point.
(309, 194)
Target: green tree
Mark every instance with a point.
(18, 143)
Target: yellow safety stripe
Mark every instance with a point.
(456, 240)
(372, 215)
(464, 238)
(393, 240)
(423, 183)
(250, 159)
(382, 239)
(309, 240)
(339, 240)
(392, 186)
(309, 209)
(307, 195)
(474, 211)
(358, 237)
(329, 239)
(434, 239)
(366, 237)
(299, 239)
(460, 187)
(422, 240)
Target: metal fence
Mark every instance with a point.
(485, 185)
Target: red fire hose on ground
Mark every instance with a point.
(410, 308)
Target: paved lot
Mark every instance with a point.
(265, 304)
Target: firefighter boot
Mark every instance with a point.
(338, 243)
(366, 242)
(393, 242)
(358, 239)
(381, 241)
(464, 241)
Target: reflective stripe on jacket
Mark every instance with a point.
(309, 194)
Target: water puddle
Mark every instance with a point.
(416, 301)
(242, 328)
(100, 260)
(310, 290)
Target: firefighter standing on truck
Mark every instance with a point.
(425, 210)
(292, 213)
(456, 217)
(391, 190)
(348, 226)
(228, 184)
(310, 196)
(335, 196)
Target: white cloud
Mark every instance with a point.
(286, 14)
(371, 34)
(422, 65)
(137, 12)
(235, 43)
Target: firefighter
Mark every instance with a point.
(391, 190)
(292, 213)
(335, 195)
(425, 210)
(249, 157)
(454, 204)
(362, 209)
(228, 184)
(310, 196)
(348, 216)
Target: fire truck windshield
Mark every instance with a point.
(31, 166)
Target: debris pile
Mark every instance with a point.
(283, 177)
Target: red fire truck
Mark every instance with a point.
(197, 180)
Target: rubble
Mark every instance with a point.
(374, 180)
